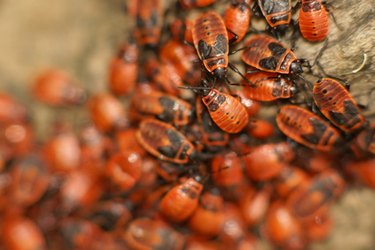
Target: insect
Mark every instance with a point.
(30, 180)
(123, 70)
(313, 20)
(207, 219)
(282, 228)
(268, 54)
(62, 151)
(365, 140)
(306, 199)
(163, 106)
(124, 169)
(147, 233)
(19, 232)
(237, 19)
(149, 20)
(363, 171)
(225, 110)
(268, 86)
(307, 128)
(163, 141)
(254, 204)
(278, 13)
(336, 103)
(55, 87)
(212, 137)
(210, 38)
(182, 58)
(181, 30)
(107, 112)
(267, 161)
(180, 202)
(11, 110)
(260, 129)
(289, 179)
(188, 4)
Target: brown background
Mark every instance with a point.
(80, 36)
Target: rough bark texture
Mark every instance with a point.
(80, 37)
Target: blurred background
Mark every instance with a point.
(81, 36)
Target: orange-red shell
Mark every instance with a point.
(313, 20)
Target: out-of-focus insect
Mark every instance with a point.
(188, 4)
(19, 232)
(182, 59)
(252, 107)
(319, 226)
(313, 20)
(268, 54)
(267, 161)
(123, 70)
(307, 128)
(315, 194)
(30, 180)
(107, 112)
(127, 140)
(55, 87)
(254, 204)
(237, 19)
(268, 86)
(146, 233)
(282, 228)
(162, 106)
(336, 103)
(148, 21)
(278, 14)
(363, 171)
(365, 140)
(181, 201)
(124, 169)
(181, 30)
(289, 179)
(11, 110)
(208, 217)
(62, 151)
(260, 129)
(163, 141)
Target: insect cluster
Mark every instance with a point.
(190, 162)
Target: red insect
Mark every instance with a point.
(283, 229)
(278, 13)
(364, 171)
(149, 21)
(182, 59)
(212, 137)
(20, 233)
(336, 103)
(188, 4)
(210, 38)
(267, 161)
(289, 179)
(162, 106)
(62, 152)
(11, 110)
(268, 54)
(124, 169)
(163, 141)
(181, 201)
(315, 194)
(307, 128)
(123, 70)
(254, 204)
(260, 129)
(127, 140)
(207, 219)
(181, 30)
(146, 233)
(313, 20)
(55, 87)
(237, 19)
(30, 180)
(225, 110)
(365, 140)
(107, 112)
(319, 226)
(268, 86)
